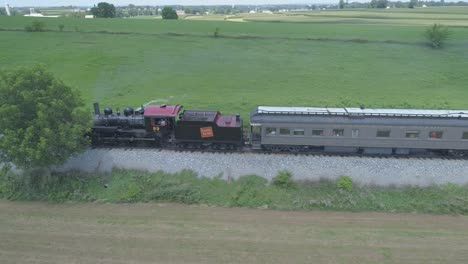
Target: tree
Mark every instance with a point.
(341, 4)
(437, 34)
(378, 3)
(188, 10)
(413, 3)
(36, 26)
(382, 3)
(103, 10)
(169, 13)
(42, 122)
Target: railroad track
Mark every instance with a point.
(426, 156)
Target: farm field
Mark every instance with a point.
(452, 16)
(122, 62)
(169, 233)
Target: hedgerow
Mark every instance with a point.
(122, 186)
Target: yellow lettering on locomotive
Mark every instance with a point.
(206, 132)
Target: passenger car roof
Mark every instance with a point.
(358, 112)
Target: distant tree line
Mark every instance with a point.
(134, 11)
(109, 10)
(378, 4)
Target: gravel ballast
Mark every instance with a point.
(363, 170)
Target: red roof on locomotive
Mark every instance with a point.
(162, 110)
(228, 121)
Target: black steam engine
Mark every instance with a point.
(165, 125)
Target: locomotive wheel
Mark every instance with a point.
(276, 148)
(459, 153)
(294, 149)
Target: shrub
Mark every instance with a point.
(344, 183)
(216, 33)
(36, 26)
(131, 193)
(61, 27)
(249, 191)
(284, 180)
(252, 180)
(437, 34)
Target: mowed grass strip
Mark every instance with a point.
(169, 233)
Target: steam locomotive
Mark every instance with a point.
(168, 125)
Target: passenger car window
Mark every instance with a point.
(285, 131)
(355, 133)
(383, 133)
(412, 134)
(298, 132)
(317, 132)
(435, 134)
(270, 131)
(465, 135)
(338, 132)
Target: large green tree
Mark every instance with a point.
(169, 13)
(103, 10)
(42, 119)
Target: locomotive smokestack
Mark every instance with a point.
(96, 109)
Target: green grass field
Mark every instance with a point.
(128, 62)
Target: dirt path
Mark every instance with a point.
(168, 233)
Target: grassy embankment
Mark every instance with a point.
(128, 62)
(249, 191)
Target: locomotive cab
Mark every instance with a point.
(160, 119)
